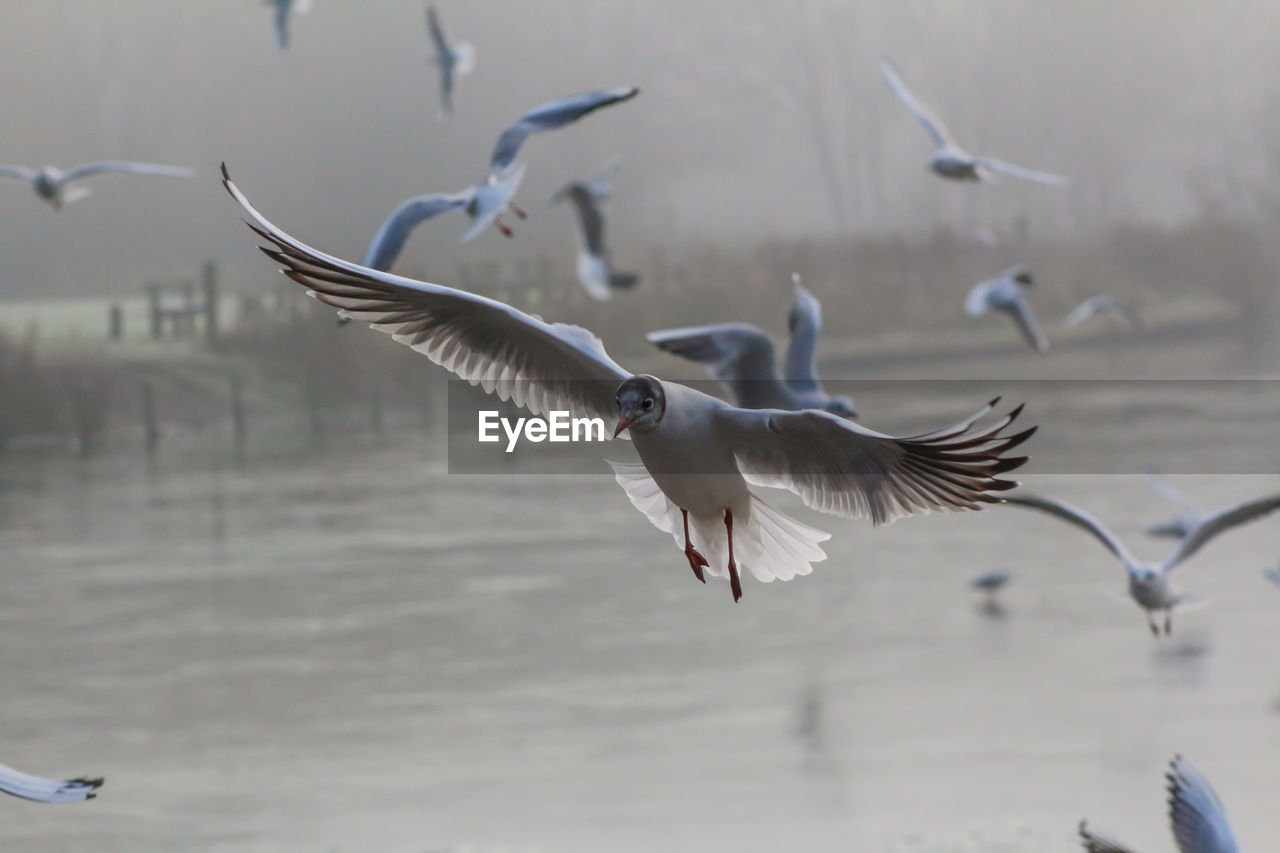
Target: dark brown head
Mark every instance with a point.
(641, 403)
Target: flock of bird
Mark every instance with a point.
(699, 456)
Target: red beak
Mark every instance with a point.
(623, 423)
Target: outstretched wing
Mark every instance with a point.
(395, 231)
(1023, 173)
(437, 34)
(590, 219)
(1219, 522)
(125, 167)
(1172, 494)
(1095, 843)
(1074, 515)
(1198, 820)
(932, 124)
(17, 173)
(44, 790)
(805, 324)
(540, 366)
(735, 353)
(551, 116)
(1029, 326)
(841, 468)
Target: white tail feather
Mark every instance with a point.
(769, 544)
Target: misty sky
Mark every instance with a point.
(1158, 110)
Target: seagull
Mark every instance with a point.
(1196, 815)
(486, 201)
(741, 356)
(991, 583)
(1008, 293)
(595, 270)
(1181, 524)
(48, 790)
(283, 9)
(1272, 575)
(949, 160)
(1150, 584)
(454, 61)
(50, 182)
(1103, 304)
(698, 455)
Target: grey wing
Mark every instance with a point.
(1174, 495)
(737, 353)
(282, 23)
(126, 167)
(437, 34)
(17, 173)
(1095, 843)
(1023, 173)
(1082, 312)
(540, 366)
(1029, 326)
(551, 116)
(1198, 820)
(1074, 515)
(601, 184)
(395, 231)
(1219, 522)
(841, 468)
(590, 220)
(805, 324)
(932, 124)
(44, 790)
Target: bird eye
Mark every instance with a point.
(648, 403)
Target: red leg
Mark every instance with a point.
(506, 232)
(696, 560)
(517, 211)
(734, 582)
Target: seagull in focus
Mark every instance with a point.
(991, 583)
(698, 455)
(1103, 305)
(486, 201)
(949, 160)
(454, 60)
(1181, 524)
(1196, 816)
(741, 356)
(1007, 292)
(283, 9)
(51, 183)
(1150, 584)
(595, 269)
(44, 790)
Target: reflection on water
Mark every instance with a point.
(359, 651)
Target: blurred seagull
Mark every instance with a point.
(1008, 293)
(454, 61)
(1099, 305)
(1196, 815)
(50, 183)
(595, 269)
(1273, 575)
(698, 455)
(486, 201)
(283, 9)
(741, 356)
(949, 160)
(47, 790)
(991, 583)
(1150, 584)
(1181, 524)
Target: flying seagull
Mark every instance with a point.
(741, 356)
(1150, 584)
(50, 182)
(1102, 304)
(1196, 816)
(283, 9)
(949, 160)
(698, 455)
(991, 583)
(454, 61)
(1181, 524)
(1007, 292)
(595, 268)
(486, 201)
(47, 790)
